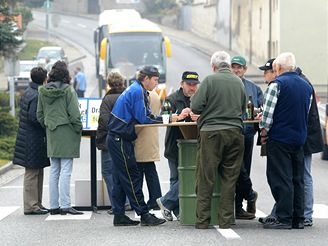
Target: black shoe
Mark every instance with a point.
(243, 215)
(267, 220)
(41, 206)
(277, 225)
(151, 220)
(37, 212)
(201, 226)
(64, 211)
(54, 211)
(251, 204)
(123, 220)
(299, 225)
(110, 211)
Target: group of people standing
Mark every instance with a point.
(49, 133)
(289, 129)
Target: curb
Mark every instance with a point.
(6, 167)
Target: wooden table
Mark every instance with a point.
(189, 130)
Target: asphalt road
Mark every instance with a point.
(97, 228)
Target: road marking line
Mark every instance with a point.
(5, 211)
(320, 211)
(81, 25)
(21, 186)
(260, 214)
(66, 21)
(85, 216)
(228, 234)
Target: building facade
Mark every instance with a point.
(261, 29)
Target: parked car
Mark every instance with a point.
(48, 55)
(25, 66)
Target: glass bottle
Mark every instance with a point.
(166, 108)
(250, 109)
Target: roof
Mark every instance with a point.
(108, 17)
(142, 25)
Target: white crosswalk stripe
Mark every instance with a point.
(5, 211)
(85, 216)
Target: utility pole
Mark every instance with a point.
(47, 18)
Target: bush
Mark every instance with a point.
(8, 124)
(4, 102)
(7, 147)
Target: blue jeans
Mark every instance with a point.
(171, 199)
(59, 182)
(154, 188)
(308, 187)
(107, 173)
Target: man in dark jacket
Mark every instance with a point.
(31, 147)
(180, 103)
(284, 129)
(313, 144)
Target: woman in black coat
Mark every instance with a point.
(31, 148)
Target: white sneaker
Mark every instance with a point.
(165, 212)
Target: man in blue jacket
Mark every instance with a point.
(132, 107)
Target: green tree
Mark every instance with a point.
(9, 40)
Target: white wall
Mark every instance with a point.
(303, 31)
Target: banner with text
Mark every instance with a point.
(89, 109)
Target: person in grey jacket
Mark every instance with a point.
(31, 148)
(58, 111)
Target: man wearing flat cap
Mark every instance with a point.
(180, 102)
(131, 107)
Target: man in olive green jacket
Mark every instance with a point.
(58, 111)
(220, 101)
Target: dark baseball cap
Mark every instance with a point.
(238, 60)
(267, 65)
(190, 77)
(150, 71)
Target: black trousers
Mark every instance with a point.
(244, 186)
(285, 174)
(127, 180)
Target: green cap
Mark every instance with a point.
(238, 60)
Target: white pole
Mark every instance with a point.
(12, 95)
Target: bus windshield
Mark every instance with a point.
(138, 49)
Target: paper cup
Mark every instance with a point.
(166, 118)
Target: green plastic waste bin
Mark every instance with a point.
(187, 177)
